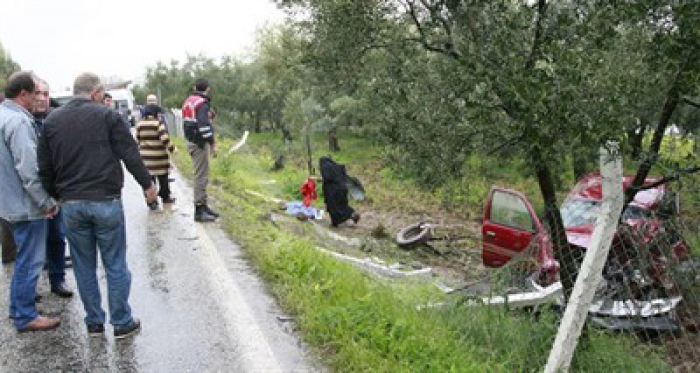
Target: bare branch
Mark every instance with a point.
(690, 102)
(506, 143)
(444, 22)
(667, 179)
(423, 40)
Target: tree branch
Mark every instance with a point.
(667, 179)
(508, 142)
(537, 39)
(423, 39)
(690, 102)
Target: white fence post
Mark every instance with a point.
(176, 123)
(592, 268)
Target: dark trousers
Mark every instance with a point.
(163, 185)
(56, 251)
(9, 249)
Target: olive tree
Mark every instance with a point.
(531, 79)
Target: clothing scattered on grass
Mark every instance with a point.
(294, 208)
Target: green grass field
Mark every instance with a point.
(358, 323)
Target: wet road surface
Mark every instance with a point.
(202, 307)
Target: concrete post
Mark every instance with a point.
(591, 271)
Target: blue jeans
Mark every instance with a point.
(93, 226)
(56, 251)
(30, 238)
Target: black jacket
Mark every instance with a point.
(80, 150)
(335, 190)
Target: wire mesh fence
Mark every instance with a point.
(644, 295)
(645, 298)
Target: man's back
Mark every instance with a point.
(83, 142)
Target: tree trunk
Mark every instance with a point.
(333, 140)
(580, 165)
(552, 216)
(664, 119)
(636, 138)
(286, 134)
(258, 123)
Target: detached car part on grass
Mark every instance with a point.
(636, 291)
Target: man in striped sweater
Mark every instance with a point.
(155, 146)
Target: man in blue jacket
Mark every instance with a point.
(24, 203)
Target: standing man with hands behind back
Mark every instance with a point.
(56, 239)
(24, 203)
(81, 151)
(200, 143)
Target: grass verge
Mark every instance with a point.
(357, 323)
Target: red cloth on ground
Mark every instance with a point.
(308, 190)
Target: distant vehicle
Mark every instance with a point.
(123, 101)
(61, 98)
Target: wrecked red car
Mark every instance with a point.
(637, 266)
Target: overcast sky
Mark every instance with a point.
(58, 39)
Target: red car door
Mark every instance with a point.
(509, 225)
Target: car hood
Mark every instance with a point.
(581, 235)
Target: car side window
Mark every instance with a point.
(509, 209)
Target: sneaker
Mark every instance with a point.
(96, 330)
(125, 331)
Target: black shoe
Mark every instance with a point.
(201, 215)
(210, 211)
(96, 330)
(152, 205)
(168, 200)
(62, 290)
(125, 331)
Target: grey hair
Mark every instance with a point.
(86, 83)
(41, 81)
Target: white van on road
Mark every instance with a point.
(123, 101)
(61, 98)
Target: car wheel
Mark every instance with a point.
(413, 235)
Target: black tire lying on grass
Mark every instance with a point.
(413, 235)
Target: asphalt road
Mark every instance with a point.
(202, 307)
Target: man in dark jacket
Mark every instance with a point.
(81, 150)
(196, 111)
(56, 239)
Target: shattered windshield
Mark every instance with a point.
(576, 212)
